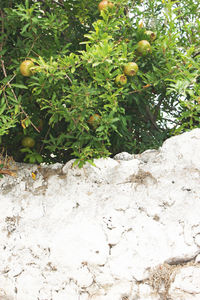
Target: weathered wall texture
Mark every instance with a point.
(126, 229)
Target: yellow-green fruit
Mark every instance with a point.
(25, 67)
(121, 79)
(28, 142)
(130, 69)
(151, 35)
(144, 47)
(104, 4)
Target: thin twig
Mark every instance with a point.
(169, 120)
(3, 87)
(5, 96)
(7, 172)
(33, 45)
(139, 91)
(66, 76)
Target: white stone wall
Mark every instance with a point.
(127, 229)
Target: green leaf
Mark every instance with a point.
(20, 86)
(25, 28)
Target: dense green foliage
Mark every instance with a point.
(77, 53)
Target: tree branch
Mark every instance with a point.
(157, 108)
(151, 118)
(196, 54)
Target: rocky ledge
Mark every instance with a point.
(126, 229)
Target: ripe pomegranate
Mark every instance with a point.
(144, 47)
(104, 4)
(121, 79)
(151, 35)
(94, 120)
(28, 142)
(25, 68)
(130, 69)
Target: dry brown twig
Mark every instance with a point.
(7, 165)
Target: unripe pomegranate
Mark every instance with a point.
(130, 69)
(144, 47)
(121, 79)
(28, 142)
(25, 67)
(151, 34)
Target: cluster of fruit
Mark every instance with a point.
(130, 69)
(143, 48)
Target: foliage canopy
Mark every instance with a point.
(77, 53)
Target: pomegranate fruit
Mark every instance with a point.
(104, 4)
(25, 68)
(94, 120)
(121, 79)
(130, 69)
(151, 35)
(28, 142)
(144, 47)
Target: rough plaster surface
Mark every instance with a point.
(127, 229)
